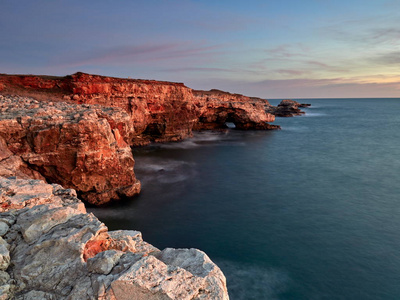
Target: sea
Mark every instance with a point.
(311, 211)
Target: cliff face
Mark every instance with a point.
(50, 248)
(79, 146)
(217, 107)
(160, 111)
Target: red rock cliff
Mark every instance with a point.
(78, 146)
(160, 111)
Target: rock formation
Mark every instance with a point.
(84, 147)
(50, 248)
(160, 111)
(287, 108)
(216, 108)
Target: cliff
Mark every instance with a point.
(50, 248)
(160, 111)
(85, 147)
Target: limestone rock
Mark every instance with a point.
(58, 251)
(104, 261)
(288, 108)
(199, 264)
(80, 147)
(3, 228)
(5, 292)
(4, 255)
(150, 279)
(218, 107)
(160, 111)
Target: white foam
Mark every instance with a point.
(246, 281)
(295, 128)
(313, 114)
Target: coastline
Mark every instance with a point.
(83, 141)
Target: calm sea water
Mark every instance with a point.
(308, 212)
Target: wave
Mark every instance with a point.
(313, 114)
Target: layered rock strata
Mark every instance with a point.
(287, 108)
(84, 147)
(50, 248)
(160, 111)
(216, 108)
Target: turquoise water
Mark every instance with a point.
(307, 212)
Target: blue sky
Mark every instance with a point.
(270, 49)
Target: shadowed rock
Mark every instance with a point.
(287, 108)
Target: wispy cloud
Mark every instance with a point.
(362, 86)
(287, 51)
(388, 58)
(197, 69)
(146, 53)
(291, 72)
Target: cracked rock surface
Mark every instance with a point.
(52, 249)
(85, 147)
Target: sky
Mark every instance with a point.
(270, 49)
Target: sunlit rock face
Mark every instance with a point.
(216, 108)
(50, 248)
(84, 147)
(160, 111)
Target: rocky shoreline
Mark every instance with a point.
(77, 131)
(50, 248)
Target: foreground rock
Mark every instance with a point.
(78, 146)
(52, 249)
(216, 108)
(287, 108)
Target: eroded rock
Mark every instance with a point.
(56, 250)
(216, 108)
(160, 111)
(287, 108)
(79, 146)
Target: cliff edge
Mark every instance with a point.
(51, 248)
(160, 111)
(85, 147)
